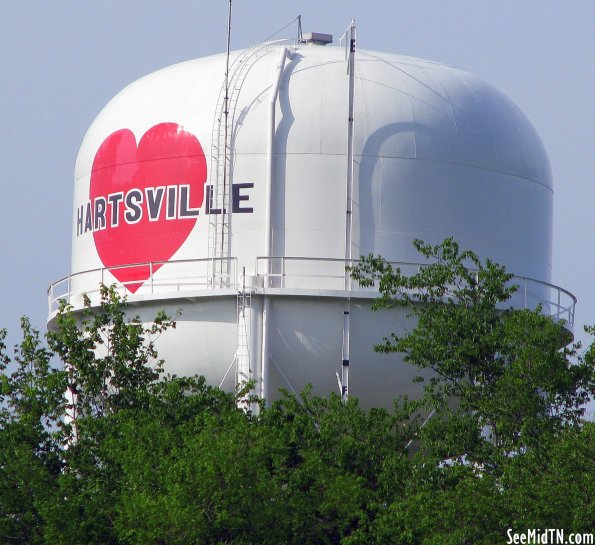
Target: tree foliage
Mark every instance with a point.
(147, 458)
(512, 371)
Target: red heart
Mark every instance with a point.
(135, 228)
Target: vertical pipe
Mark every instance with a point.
(264, 363)
(264, 367)
(351, 36)
(350, 126)
(271, 151)
(345, 362)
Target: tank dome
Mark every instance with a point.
(185, 207)
(439, 152)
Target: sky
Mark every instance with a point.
(62, 61)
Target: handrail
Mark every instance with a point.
(301, 273)
(328, 273)
(181, 275)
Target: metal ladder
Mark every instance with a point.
(244, 372)
(220, 178)
(243, 367)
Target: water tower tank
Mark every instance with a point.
(240, 221)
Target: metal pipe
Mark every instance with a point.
(264, 363)
(351, 37)
(345, 351)
(271, 150)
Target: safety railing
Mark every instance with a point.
(329, 274)
(301, 273)
(156, 277)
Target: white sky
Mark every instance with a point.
(61, 62)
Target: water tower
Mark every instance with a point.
(236, 189)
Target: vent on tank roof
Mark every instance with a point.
(317, 38)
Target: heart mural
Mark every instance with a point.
(145, 199)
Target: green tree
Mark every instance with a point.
(56, 482)
(112, 366)
(31, 408)
(507, 446)
(510, 371)
(110, 358)
(170, 460)
(302, 471)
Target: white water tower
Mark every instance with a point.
(245, 221)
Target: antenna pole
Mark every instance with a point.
(227, 61)
(226, 114)
(300, 38)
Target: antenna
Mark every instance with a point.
(300, 37)
(226, 113)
